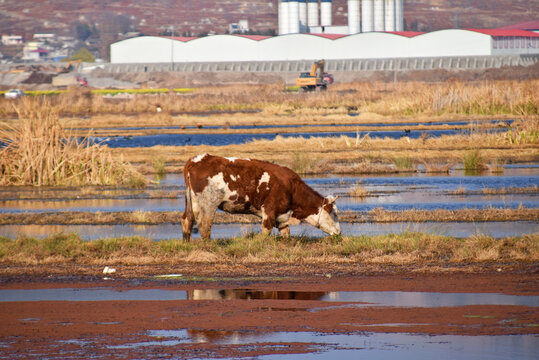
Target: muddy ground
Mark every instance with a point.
(216, 321)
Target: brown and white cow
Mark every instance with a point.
(248, 186)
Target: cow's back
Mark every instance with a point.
(246, 184)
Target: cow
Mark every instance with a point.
(248, 186)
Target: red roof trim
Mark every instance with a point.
(253, 37)
(407, 34)
(506, 32)
(329, 36)
(181, 38)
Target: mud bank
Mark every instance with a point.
(313, 315)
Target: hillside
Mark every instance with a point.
(198, 16)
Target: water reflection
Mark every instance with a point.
(245, 294)
(341, 298)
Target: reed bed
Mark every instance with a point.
(40, 152)
(406, 248)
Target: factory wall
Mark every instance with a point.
(231, 48)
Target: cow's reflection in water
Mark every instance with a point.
(238, 337)
(245, 294)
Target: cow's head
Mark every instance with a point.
(326, 218)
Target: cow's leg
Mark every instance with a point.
(268, 222)
(187, 224)
(284, 231)
(205, 220)
(188, 218)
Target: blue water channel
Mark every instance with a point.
(235, 139)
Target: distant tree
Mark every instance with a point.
(82, 31)
(414, 26)
(84, 55)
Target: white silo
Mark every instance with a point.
(325, 12)
(389, 15)
(303, 16)
(353, 17)
(283, 17)
(399, 15)
(367, 15)
(312, 13)
(293, 16)
(379, 15)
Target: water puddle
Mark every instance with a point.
(359, 345)
(356, 298)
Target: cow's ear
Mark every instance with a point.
(331, 199)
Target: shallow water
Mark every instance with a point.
(368, 345)
(223, 231)
(230, 139)
(389, 192)
(362, 298)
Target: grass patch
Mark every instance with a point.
(393, 248)
(472, 160)
(403, 163)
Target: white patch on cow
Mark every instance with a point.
(233, 177)
(246, 196)
(265, 178)
(199, 157)
(262, 213)
(213, 194)
(232, 159)
(283, 218)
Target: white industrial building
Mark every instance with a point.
(367, 45)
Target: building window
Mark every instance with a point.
(495, 42)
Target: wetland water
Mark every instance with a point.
(395, 192)
(234, 138)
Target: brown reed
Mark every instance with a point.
(39, 151)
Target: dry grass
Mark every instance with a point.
(406, 248)
(40, 152)
(358, 190)
(406, 98)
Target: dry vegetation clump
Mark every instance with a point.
(39, 151)
(358, 190)
(402, 248)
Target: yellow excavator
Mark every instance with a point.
(316, 80)
(71, 66)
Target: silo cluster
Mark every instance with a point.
(299, 16)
